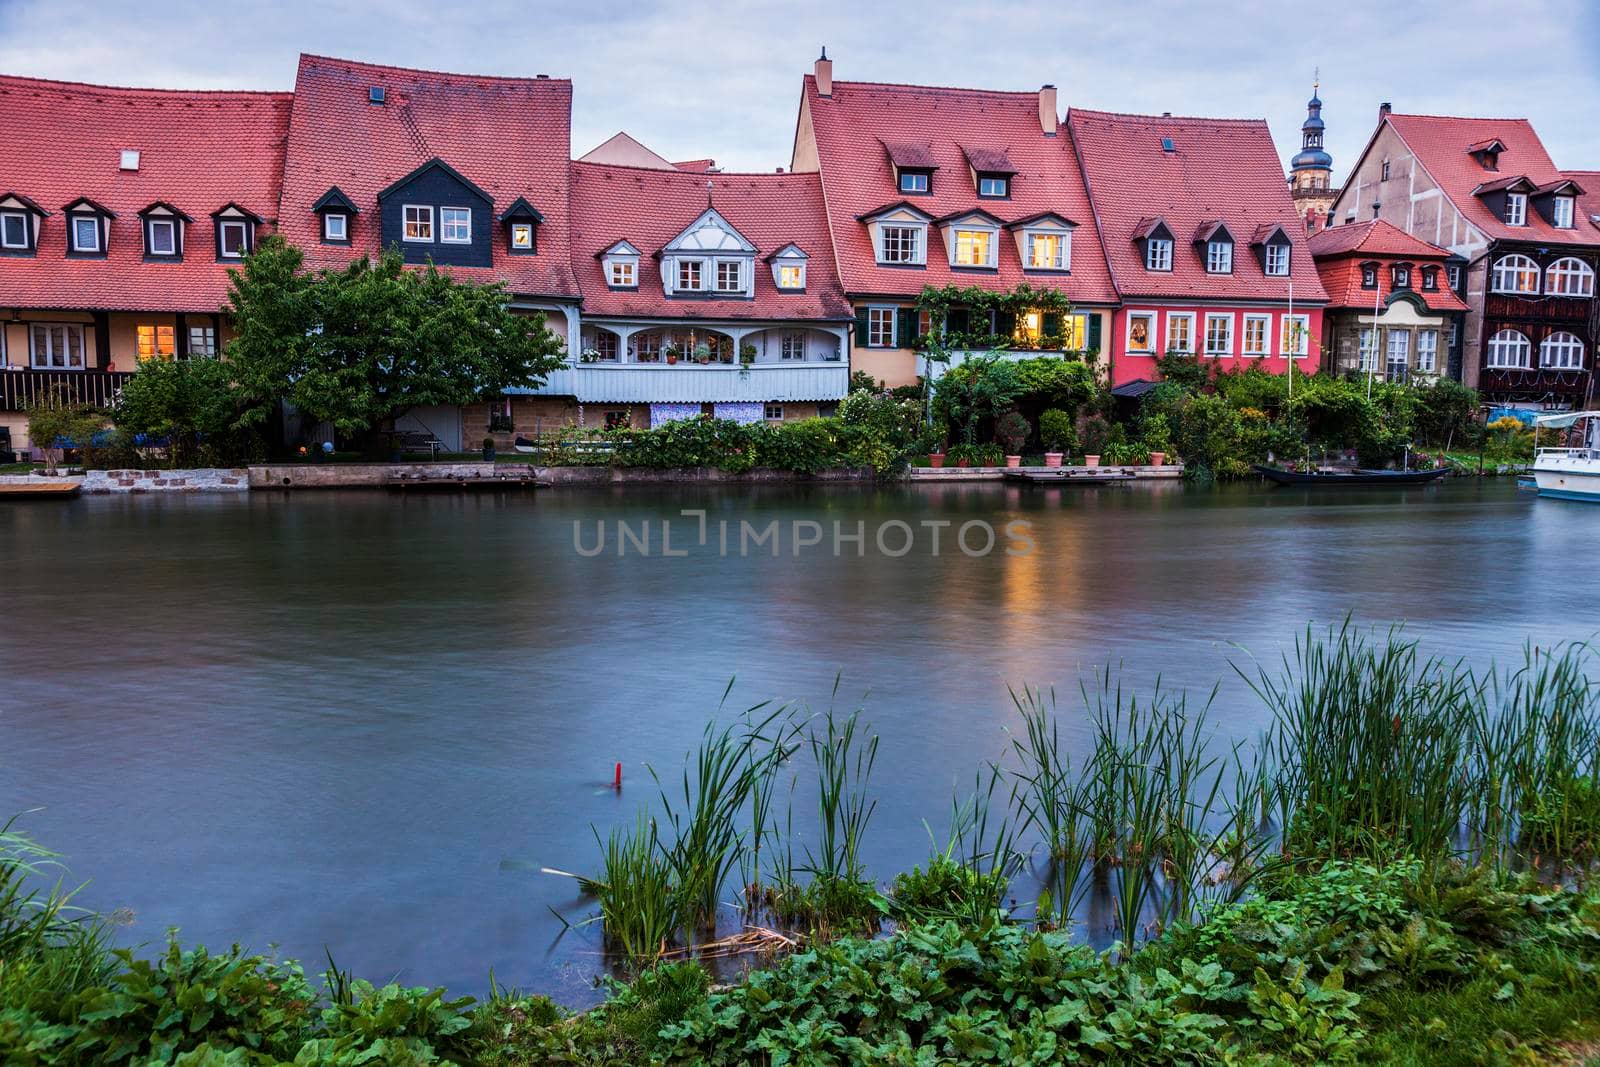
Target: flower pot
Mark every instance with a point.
(1158, 459)
(1052, 459)
(936, 460)
(1091, 461)
(672, 360)
(963, 462)
(1013, 461)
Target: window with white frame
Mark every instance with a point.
(1368, 358)
(880, 327)
(1561, 351)
(994, 186)
(1278, 260)
(1427, 351)
(522, 236)
(163, 237)
(1295, 337)
(1219, 257)
(1219, 335)
(772, 412)
(792, 346)
(902, 244)
(202, 341)
(1158, 254)
(56, 346)
(691, 275)
(1453, 273)
(1180, 332)
(86, 233)
(792, 276)
(914, 181)
(1509, 350)
(418, 220)
(335, 226)
(154, 341)
(620, 273)
(233, 239)
(1399, 355)
(1516, 209)
(730, 276)
(1141, 332)
(455, 225)
(974, 248)
(1075, 332)
(1561, 212)
(1047, 251)
(1569, 276)
(1515, 274)
(1254, 341)
(1402, 276)
(605, 345)
(14, 229)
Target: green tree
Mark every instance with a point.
(980, 388)
(360, 347)
(55, 425)
(188, 402)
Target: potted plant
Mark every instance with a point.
(962, 454)
(1058, 434)
(934, 441)
(702, 353)
(488, 450)
(1157, 438)
(1096, 432)
(747, 353)
(671, 352)
(1012, 432)
(990, 455)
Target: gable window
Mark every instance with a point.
(1219, 257)
(1254, 342)
(154, 342)
(1509, 350)
(1569, 277)
(1219, 335)
(1180, 332)
(418, 220)
(1385, 176)
(1402, 276)
(1158, 254)
(85, 233)
(455, 225)
(1515, 274)
(1278, 260)
(1047, 251)
(163, 237)
(14, 229)
(729, 276)
(1516, 209)
(1561, 212)
(522, 237)
(1142, 332)
(792, 276)
(620, 274)
(1369, 276)
(202, 341)
(1561, 351)
(1427, 350)
(690, 275)
(902, 244)
(56, 346)
(233, 239)
(1430, 279)
(994, 186)
(792, 346)
(1295, 339)
(974, 248)
(335, 226)
(914, 181)
(880, 327)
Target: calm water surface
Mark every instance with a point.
(326, 719)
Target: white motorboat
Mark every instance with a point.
(1570, 473)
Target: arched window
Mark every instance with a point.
(1561, 351)
(1515, 274)
(1569, 277)
(1509, 350)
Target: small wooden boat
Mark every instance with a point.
(1072, 477)
(39, 490)
(1350, 477)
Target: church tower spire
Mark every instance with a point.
(1311, 170)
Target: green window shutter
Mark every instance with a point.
(906, 329)
(1005, 323)
(1050, 323)
(861, 327)
(1094, 330)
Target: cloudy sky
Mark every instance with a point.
(721, 78)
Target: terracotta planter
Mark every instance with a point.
(1158, 459)
(1013, 461)
(671, 360)
(1052, 459)
(1091, 461)
(963, 462)
(936, 460)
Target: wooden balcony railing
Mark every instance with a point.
(20, 389)
(1546, 308)
(1534, 383)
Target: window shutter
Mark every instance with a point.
(1094, 330)
(906, 329)
(1005, 323)
(958, 320)
(861, 327)
(1050, 324)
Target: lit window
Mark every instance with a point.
(994, 186)
(1561, 351)
(1296, 338)
(163, 237)
(1278, 260)
(154, 342)
(418, 223)
(792, 346)
(455, 225)
(233, 239)
(1561, 212)
(1254, 342)
(1219, 257)
(1427, 350)
(1219, 335)
(1141, 331)
(621, 274)
(880, 327)
(913, 181)
(1158, 254)
(1369, 350)
(1180, 332)
(791, 277)
(1030, 326)
(1074, 332)
(1509, 350)
(729, 276)
(13, 230)
(902, 244)
(1569, 277)
(57, 346)
(522, 236)
(335, 226)
(1399, 355)
(1516, 209)
(1046, 251)
(1515, 274)
(689, 275)
(85, 233)
(772, 412)
(202, 341)
(973, 248)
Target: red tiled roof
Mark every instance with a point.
(197, 151)
(989, 160)
(509, 136)
(696, 166)
(648, 208)
(1340, 251)
(1219, 169)
(1588, 202)
(1444, 146)
(911, 156)
(859, 119)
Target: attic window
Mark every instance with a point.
(1167, 145)
(1516, 209)
(1219, 257)
(375, 95)
(1158, 254)
(994, 186)
(1561, 212)
(130, 159)
(1369, 275)
(915, 181)
(14, 227)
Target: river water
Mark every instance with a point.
(353, 721)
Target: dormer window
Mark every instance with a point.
(336, 211)
(1158, 254)
(972, 239)
(418, 220)
(902, 244)
(789, 268)
(915, 182)
(234, 239)
(913, 165)
(730, 278)
(88, 228)
(163, 231)
(691, 275)
(1277, 260)
(991, 170)
(15, 227)
(236, 231)
(620, 264)
(1430, 279)
(974, 248)
(1369, 275)
(521, 221)
(1487, 153)
(1516, 209)
(85, 234)
(899, 234)
(455, 225)
(336, 227)
(994, 186)
(19, 225)
(1561, 212)
(710, 256)
(1219, 257)
(1402, 276)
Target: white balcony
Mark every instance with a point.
(693, 383)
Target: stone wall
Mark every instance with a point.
(235, 480)
(577, 476)
(360, 475)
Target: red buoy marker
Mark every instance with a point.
(617, 782)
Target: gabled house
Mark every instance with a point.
(941, 187)
(702, 294)
(1525, 253)
(1391, 311)
(117, 228)
(1204, 243)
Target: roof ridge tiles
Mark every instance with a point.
(1030, 94)
(58, 85)
(1161, 118)
(543, 79)
(703, 174)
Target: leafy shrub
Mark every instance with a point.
(1057, 431)
(1094, 435)
(1444, 411)
(947, 890)
(1012, 432)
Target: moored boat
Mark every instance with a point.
(1350, 477)
(1570, 473)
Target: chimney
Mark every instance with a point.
(1383, 110)
(824, 72)
(1047, 110)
